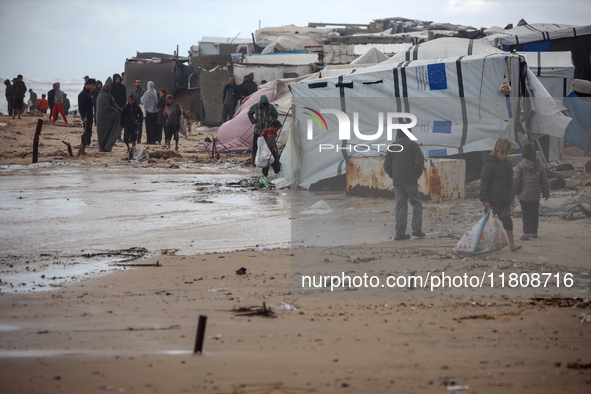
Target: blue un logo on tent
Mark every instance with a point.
(437, 77)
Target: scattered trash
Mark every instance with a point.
(557, 183)
(174, 165)
(241, 271)
(578, 365)
(497, 384)
(285, 306)
(217, 290)
(319, 208)
(254, 311)
(457, 388)
(474, 317)
(564, 167)
(585, 318)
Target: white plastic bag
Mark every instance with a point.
(264, 157)
(485, 236)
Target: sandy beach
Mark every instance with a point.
(133, 329)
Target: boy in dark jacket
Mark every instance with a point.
(86, 109)
(131, 116)
(496, 186)
(529, 180)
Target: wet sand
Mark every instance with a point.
(134, 330)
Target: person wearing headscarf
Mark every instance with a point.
(150, 101)
(108, 114)
(58, 103)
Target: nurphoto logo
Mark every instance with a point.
(391, 121)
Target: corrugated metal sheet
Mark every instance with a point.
(442, 178)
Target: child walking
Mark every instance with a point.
(529, 180)
(131, 117)
(496, 186)
(270, 136)
(173, 122)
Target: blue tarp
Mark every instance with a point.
(578, 129)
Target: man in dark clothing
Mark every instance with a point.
(51, 101)
(248, 86)
(230, 99)
(261, 115)
(119, 93)
(137, 94)
(404, 164)
(86, 108)
(19, 89)
(9, 96)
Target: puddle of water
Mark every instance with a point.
(72, 210)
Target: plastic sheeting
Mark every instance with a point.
(579, 109)
(555, 70)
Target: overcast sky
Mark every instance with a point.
(65, 39)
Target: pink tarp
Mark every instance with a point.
(236, 134)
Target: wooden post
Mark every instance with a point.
(200, 334)
(36, 140)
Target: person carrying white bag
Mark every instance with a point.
(496, 186)
(267, 152)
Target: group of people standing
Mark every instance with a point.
(115, 111)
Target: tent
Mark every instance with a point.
(462, 101)
(555, 70)
(544, 37)
(373, 55)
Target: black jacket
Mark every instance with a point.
(405, 167)
(119, 92)
(247, 88)
(51, 98)
(85, 105)
(130, 114)
(496, 181)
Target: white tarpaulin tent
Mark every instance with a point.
(533, 33)
(456, 100)
(555, 70)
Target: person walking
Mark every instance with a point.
(58, 103)
(529, 179)
(405, 167)
(496, 186)
(261, 115)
